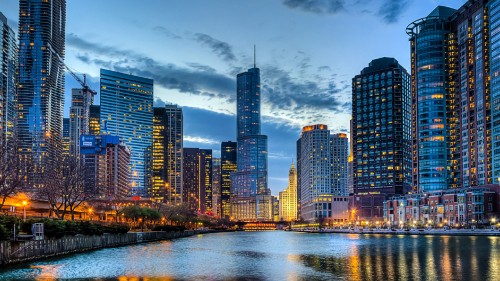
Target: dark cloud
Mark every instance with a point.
(165, 32)
(392, 9)
(197, 79)
(316, 6)
(220, 48)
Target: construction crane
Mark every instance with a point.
(85, 87)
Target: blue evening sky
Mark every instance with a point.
(307, 50)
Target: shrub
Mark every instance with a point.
(4, 233)
(168, 228)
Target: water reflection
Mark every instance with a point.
(281, 256)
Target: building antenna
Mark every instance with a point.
(254, 64)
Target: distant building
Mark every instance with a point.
(250, 179)
(288, 198)
(216, 187)
(127, 112)
(79, 113)
(8, 65)
(40, 91)
(338, 162)
(94, 120)
(197, 181)
(315, 172)
(228, 166)
(65, 136)
(106, 162)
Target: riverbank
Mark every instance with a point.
(441, 232)
(13, 252)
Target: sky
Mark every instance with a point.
(308, 51)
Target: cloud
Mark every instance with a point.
(165, 32)
(390, 10)
(201, 140)
(220, 48)
(316, 6)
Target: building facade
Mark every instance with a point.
(94, 120)
(40, 92)
(197, 173)
(106, 161)
(65, 136)
(127, 111)
(79, 113)
(167, 154)
(338, 162)
(251, 177)
(216, 188)
(288, 198)
(315, 172)
(8, 66)
(228, 166)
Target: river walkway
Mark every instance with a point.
(448, 232)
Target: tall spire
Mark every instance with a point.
(254, 64)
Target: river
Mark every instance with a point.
(278, 255)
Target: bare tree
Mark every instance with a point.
(11, 170)
(64, 186)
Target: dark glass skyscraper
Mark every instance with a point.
(127, 112)
(8, 64)
(167, 154)
(381, 128)
(228, 166)
(197, 173)
(251, 178)
(41, 79)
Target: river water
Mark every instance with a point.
(278, 255)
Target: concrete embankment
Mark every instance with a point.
(12, 252)
(453, 232)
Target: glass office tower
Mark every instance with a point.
(228, 166)
(8, 64)
(251, 178)
(41, 80)
(494, 54)
(338, 162)
(127, 112)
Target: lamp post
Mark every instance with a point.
(24, 209)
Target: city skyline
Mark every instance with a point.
(320, 65)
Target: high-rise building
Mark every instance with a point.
(40, 92)
(338, 163)
(8, 65)
(315, 172)
(228, 166)
(216, 187)
(106, 162)
(251, 178)
(288, 198)
(79, 118)
(381, 128)
(94, 120)
(167, 154)
(455, 96)
(197, 173)
(65, 136)
(350, 159)
(127, 112)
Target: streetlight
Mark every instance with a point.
(24, 209)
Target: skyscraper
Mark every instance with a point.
(8, 64)
(381, 128)
(228, 166)
(79, 113)
(251, 178)
(197, 173)
(41, 79)
(338, 163)
(315, 172)
(127, 112)
(288, 198)
(455, 85)
(216, 187)
(167, 154)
